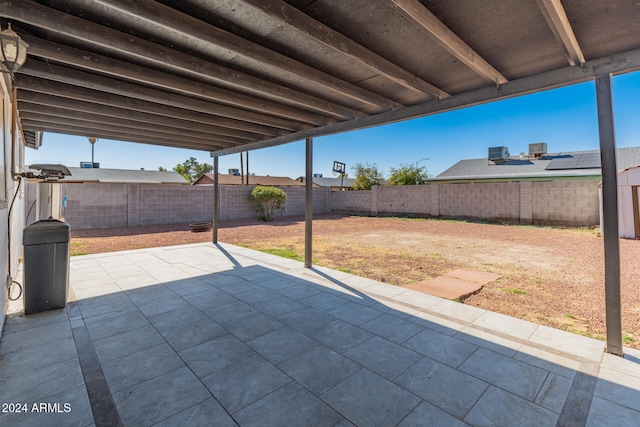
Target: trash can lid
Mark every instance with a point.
(45, 231)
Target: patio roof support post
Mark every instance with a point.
(216, 199)
(610, 214)
(308, 186)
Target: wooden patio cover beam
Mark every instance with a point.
(37, 86)
(142, 51)
(117, 136)
(39, 102)
(309, 27)
(446, 38)
(556, 17)
(121, 70)
(166, 23)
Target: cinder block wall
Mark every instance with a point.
(174, 204)
(405, 199)
(131, 205)
(491, 201)
(97, 205)
(351, 202)
(570, 203)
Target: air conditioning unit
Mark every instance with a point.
(235, 172)
(498, 154)
(538, 149)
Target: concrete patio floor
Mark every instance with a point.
(221, 335)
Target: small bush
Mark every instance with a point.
(267, 201)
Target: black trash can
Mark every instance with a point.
(46, 265)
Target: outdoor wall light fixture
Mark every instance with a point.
(13, 50)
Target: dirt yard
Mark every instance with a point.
(551, 276)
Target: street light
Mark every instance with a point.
(92, 140)
(417, 168)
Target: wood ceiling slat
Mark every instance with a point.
(556, 17)
(109, 85)
(162, 22)
(419, 14)
(29, 100)
(62, 90)
(30, 111)
(121, 70)
(137, 50)
(120, 136)
(309, 27)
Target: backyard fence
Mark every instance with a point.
(570, 203)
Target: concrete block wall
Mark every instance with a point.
(405, 199)
(573, 203)
(97, 205)
(491, 201)
(130, 205)
(174, 204)
(570, 203)
(351, 201)
(234, 202)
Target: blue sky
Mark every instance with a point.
(565, 118)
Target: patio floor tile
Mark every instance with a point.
(383, 357)
(290, 405)
(367, 399)
(443, 348)
(281, 344)
(242, 383)
(252, 326)
(319, 368)
(279, 307)
(185, 335)
(216, 354)
(306, 319)
(159, 398)
(174, 318)
(137, 367)
(447, 388)
(604, 413)
(126, 343)
(354, 313)
(490, 410)
(208, 412)
(428, 415)
(340, 335)
(509, 374)
(392, 328)
(115, 323)
(305, 347)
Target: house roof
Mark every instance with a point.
(568, 164)
(224, 179)
(124, 176)
(239, 75)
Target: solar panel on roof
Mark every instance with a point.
(576, 161)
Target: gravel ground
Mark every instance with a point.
(552, 276)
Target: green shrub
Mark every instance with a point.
(267, 201)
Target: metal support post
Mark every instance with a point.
(308, 226)
(610, 214)
(216, 199)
